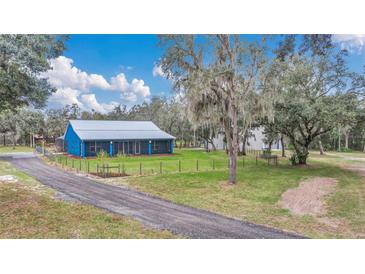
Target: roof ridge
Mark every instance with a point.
(110, 120)
(91, 129)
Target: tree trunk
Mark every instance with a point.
(13, 141)
(244, 145)
(321, 150)
(282, 146)
(302, 160)
(339, 140)
(270, 145)
(346, 140)
(4, 140)
(194, 139)
(233, 150)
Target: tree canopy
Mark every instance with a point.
(23, 59)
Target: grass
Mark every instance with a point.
(182, 161)
(29, 210)
(258, 190)
(9, 149)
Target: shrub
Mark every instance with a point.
(101, 155)
(294, 159)
(121, 156)
(298, 158)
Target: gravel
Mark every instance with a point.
(151, 211)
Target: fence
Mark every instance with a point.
(124, 167)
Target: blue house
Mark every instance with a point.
(85, 138)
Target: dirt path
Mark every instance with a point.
(155, 212)
(307, 198)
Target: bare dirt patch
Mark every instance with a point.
(307, 198)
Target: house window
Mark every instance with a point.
(156, 146)
(92, 147)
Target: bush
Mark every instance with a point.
(101, 155)
(298, 158)
(121, 156)
(293, 159)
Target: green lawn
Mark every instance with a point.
(258, 190)
(29, 210)
(183, 160)
(9, 149)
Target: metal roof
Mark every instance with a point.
(118, 130)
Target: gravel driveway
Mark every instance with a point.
(151, 211)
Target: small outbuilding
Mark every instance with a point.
(86, 138)
(60, 144)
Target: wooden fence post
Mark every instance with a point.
(160, 167)
(213, 165)
(179, 165)
(66, 160)
(73, 163)
(80, 165)
(197, 165)
(88, 167)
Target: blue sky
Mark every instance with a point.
(100, 71)
(108, 55)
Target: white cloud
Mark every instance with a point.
(74, 85)
(135, 92)
(90, 103)
(157, 71)
(119, 82)
(64, 74)
(351, 42)
(66, 96)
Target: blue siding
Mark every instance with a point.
(75, 146)
(171, 146)
(161, 146)
(72, 142)
(100, 145)
(127, 147)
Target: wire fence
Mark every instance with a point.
(124, 166)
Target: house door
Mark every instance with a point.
(138, 147)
